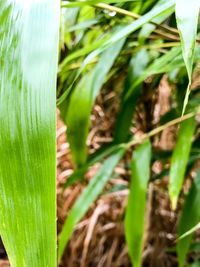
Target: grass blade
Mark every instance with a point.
(137, 66)
(125, 31)
(191, 231)
(187, 13)
(190, 216)
(82, 98)
(135, 213)
(88, 196)
(179, 159)
(28, 53)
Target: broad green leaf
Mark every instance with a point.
(137, 66)
(89, 195)
(126, 30)
(180, 158)
(82, 100)
(187, 13)
(28, 53)
(190, 216)
(135, 213)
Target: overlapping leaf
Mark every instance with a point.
(81, 102)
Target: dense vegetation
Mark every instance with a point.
(130, 48)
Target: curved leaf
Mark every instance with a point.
(82, 100)
(125, 31)
(187, 13)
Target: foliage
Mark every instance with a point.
(116, 46)
(151, 44)
(28, 54)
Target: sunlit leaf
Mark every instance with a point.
(28, 54)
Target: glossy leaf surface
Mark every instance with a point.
(28, 54)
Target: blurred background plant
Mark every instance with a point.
(126, 77)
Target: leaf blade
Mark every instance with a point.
(180, 158)
(190, 216)
(28, 53)
(135, 213)
(187, 14)
(88, 196)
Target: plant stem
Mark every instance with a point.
(159, 129)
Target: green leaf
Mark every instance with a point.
(82, 99)
(28, 53)
(148, 28)
(89, 195)
(191, 231)
(179, 159)
(195, 264)
(190, 216)
(137, 66)
(135, 213)
(92, 2)
(187, 13)
(130, 28)
(172, 59)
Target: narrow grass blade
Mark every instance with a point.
(125, 31)
(148, 28)
(28, 68)
(172, 59)
(137, 66)
(81, 102)
(93, 2)
(191, 231)
(135, 213)
(190, 216)
(179, 159)
(88, 196)
(187, 13)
